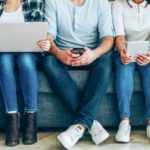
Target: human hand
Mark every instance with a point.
(44, 44)
(66, 56)
(143, 59)
(87, 58)
(124, 57)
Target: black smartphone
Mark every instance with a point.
(79, 51)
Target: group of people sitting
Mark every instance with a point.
(93, 27)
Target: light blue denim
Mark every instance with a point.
(124, 85)
(26, 65)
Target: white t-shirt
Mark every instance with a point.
(12, 17)
(132, 20)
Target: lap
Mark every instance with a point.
(14, 58)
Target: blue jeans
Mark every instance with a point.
(26, 65)
(83, 107)
(124, 85)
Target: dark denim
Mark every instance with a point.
(83, 107)
(26, 65)
(124, 85)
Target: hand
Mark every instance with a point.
(124, 57)
(66, 56)
(44, 44)
(143, 59)
(87, 58)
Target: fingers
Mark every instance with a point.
(141, 63)
(123, 53)
(126, 60)
(142, 58)
(81, 62)
(75, 55)
(44, 44)
(86, 49)
(69, 51)
(148, 53)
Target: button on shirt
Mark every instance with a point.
(78, 26)
(132, 20)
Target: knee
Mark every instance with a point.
(52, 67)
(104, 63)
(6, 61)
(50, 62)
(26, 61)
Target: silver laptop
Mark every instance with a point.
(22, 37)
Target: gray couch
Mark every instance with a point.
(52, 112)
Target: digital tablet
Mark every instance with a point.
(22, 37)
(137, 47)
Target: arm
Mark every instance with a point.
(65, 56)
(117, 11)
(105, 46)
(90, 56)
(121, 48)
(106, 34)
(105, 28)
(120, 43)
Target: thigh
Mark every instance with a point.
(122, 68)
(104, 63)
(7, 60)
(26, 59)
(144, 70)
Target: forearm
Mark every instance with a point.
(120, 43)
(105, 46)
(54, 50)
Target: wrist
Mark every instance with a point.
(97, 53)
(120, 50)
(55, 51)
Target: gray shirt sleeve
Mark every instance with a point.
(50, 16)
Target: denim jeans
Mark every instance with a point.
(83, 107)
(124, 85)
(26, 65)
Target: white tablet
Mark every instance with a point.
(22, 37)
(137, 47)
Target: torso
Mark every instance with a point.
(136, 21)
(12, 17)
(72, 22)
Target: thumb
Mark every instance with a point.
(86, 49)
(123, 53)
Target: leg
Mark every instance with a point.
(99, 75)
(8, 82)
(61, 82)
(124, 89)
(28, 77)
(124, 86)
(145, 74)
(29, 83)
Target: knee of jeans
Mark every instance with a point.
(26, 61)
(6, 61)
(104, 63)
(50, 62)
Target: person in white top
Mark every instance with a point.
(131, 23)
(19, 11)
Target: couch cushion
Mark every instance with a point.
(80, 77)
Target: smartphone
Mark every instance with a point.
(79, 51)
